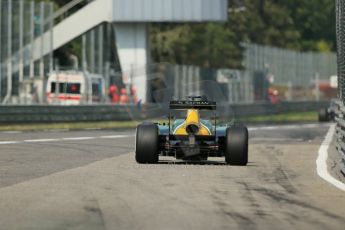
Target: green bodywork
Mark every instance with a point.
(178, 122)
(164, 129)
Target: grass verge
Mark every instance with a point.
(70, 126)
(284, 117)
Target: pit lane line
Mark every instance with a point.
(288, 127)
(321, 161)
(64, 139)
(280, 127)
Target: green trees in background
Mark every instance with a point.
(295, 24)
(303, 25)
(315, 20)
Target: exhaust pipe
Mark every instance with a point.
(192, 129)
(192, 122)
(192, 126)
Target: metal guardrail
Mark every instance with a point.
(53, 113)
(47, 114)
(282, 107)
(340, 132)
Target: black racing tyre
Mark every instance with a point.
(147, 144)
(236, 145)
(331, 116)
(323, 115)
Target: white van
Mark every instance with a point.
(74, 88)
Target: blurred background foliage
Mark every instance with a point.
(301, 25)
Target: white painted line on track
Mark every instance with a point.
(40, 140)
(321, 161)
(280, 127)
(116, 136)
(275, 139)
(64, 139)
(288, 127)
(8, 142)
(78, 138)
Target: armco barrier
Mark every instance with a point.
(52, 113)
(283, 107)
(340, 133)
(39, 113)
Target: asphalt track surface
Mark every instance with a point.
(90, 180)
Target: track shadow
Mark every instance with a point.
(213, 163)
(174, 162)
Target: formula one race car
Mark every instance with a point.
(191, 137)
(328, 114)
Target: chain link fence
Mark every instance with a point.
(269, 75)
(184, 81)
(340, 26)
(296, 75)
(340, 118)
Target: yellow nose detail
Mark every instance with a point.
(192, 119)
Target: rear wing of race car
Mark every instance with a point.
(202, 105)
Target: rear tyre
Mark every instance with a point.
(323, 115)
(147, 144)
(236, 145)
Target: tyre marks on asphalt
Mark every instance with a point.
(276, 193)
(265, 195)
(226, 209)
(94, 211)
(280, 174)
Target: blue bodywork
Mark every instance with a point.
(220, 130)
